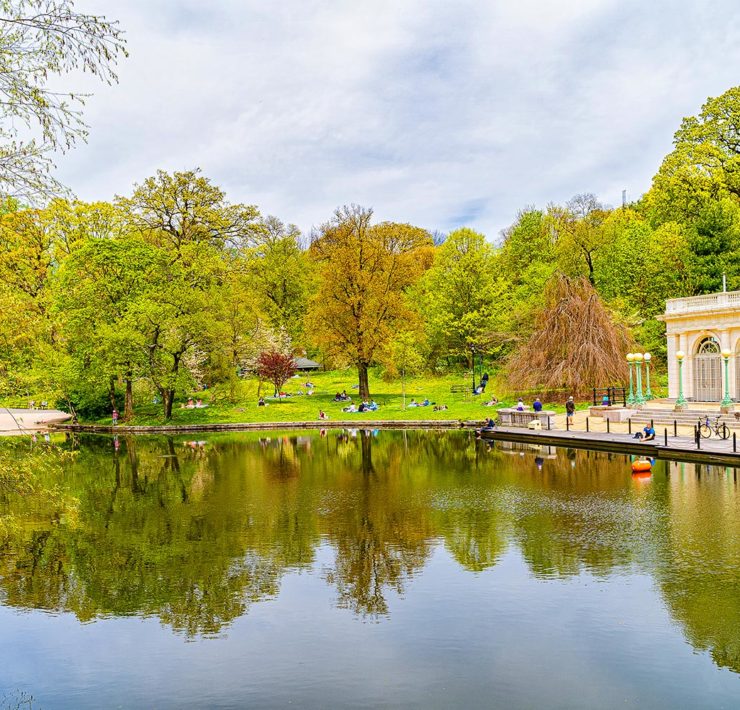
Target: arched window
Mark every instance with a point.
(708, 346)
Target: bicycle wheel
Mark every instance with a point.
(705, 430)
(724, 431)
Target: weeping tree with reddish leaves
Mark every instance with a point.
(275, 367)
(576, 343)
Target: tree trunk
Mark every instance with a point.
(364, 383)
(168, 397)
(128, 405)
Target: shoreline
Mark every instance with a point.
(680, 449)
(257, 426)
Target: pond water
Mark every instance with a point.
(365, 569)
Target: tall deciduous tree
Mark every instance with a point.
(41, 40)
(364, 272)
(280, 273)
(188, 220)
(461, 295)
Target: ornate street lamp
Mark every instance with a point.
(726, 403)
(681, 401)
(647, 357)
(631, 396)
(639, 399)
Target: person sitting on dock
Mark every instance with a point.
(647, 434)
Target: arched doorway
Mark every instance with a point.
(708, 371)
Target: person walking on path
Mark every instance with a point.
(570, 409)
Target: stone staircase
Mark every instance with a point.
(689, 417)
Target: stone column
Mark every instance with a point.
(673, 348)
(688, 366)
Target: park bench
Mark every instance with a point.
(527, 418)
(460, 389)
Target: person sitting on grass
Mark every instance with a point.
(647, 434)
(414, 403)
(425, 403)
(491, 402)
(351, 409)
(440, 407)
(261, 402)
(323, 414)
(373, 406)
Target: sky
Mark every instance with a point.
(439, 113)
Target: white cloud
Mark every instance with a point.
(436, 113)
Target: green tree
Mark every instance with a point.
(187, 218)
(461, 296)
(403, 358)
(280, 271)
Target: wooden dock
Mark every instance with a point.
(679, 448)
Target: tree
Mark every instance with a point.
(280, 273)
(403, 357)
(275, 367)
(189, 222)
(100, 289)
(365, 270)
(576, 343)
(461, 295)
(581, 233)
(40, 40)
(705, 161)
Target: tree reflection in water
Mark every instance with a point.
(194, 532)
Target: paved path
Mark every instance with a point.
(680, 447)
(19, 421)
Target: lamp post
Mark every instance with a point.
(631, 396)
(726, 404)
(681, 401)
(647, 357)
(639, 399)
(472, 350)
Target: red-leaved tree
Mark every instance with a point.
(275, 367)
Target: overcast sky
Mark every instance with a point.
(440, 113)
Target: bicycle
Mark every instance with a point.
(719, 428)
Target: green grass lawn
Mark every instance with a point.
(299, 408)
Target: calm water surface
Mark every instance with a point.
(352, 569)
